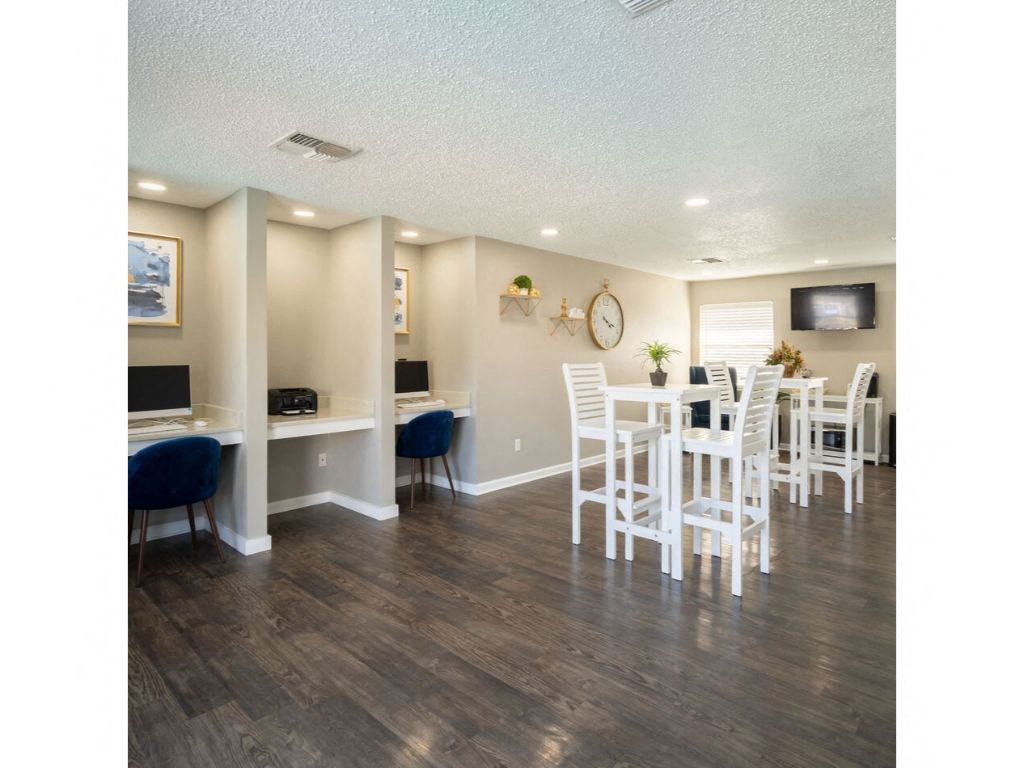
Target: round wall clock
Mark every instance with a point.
(605, 319)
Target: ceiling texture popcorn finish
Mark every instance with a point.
(497, 118)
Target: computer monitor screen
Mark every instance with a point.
(411, 378)
(158, 390)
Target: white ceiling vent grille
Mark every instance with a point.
(311, 148)
(706, 260)
(636, 7)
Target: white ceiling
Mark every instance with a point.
(500, 118)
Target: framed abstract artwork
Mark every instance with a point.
(401, 301)
(154, 280)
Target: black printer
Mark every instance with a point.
(291, 402)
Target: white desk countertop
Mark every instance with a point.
(223, 425)
(459, 403)
(334, 414)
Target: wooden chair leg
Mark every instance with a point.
(192, 528)
(142, 546)
(412, 486)
(213, 528)
(449, 473)
(131, 524)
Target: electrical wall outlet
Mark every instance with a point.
(518, 444)
(322, 460)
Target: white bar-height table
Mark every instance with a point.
(675, 396)
(800, 434)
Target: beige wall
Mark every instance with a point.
(827, 353)
(519, 389)
(448, 303)
(298, 307)
(236, 233)
(186, 344)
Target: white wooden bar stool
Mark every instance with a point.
(718, 373)
(751, 439)
(587, 417)
(850, 467)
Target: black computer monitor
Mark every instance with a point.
(411, 378)
(158, 390)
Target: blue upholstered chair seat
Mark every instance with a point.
(426, 436)
(173, 473)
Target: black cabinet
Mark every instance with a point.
(892, 439)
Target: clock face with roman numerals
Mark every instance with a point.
(605, 320)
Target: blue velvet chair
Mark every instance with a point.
(426, 436)
(173, 473)
(701, 414)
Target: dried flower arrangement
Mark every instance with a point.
(786, 355)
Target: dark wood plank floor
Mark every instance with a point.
(472, 633)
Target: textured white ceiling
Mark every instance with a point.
(500, 118)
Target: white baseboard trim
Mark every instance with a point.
(479, 489)
(298, 502)
(228, 536)
(385, 512)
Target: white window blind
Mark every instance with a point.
(740, 334)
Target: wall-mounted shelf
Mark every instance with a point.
(526, 304)
(571, 324)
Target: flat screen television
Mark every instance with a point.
(833, 307)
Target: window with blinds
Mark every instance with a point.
(742, 334)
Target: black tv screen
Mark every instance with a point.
(833, 307)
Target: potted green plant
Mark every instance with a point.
(787, 356)
(657, 352)
(524, 284)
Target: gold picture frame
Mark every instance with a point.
(154, 280)
(402, 304)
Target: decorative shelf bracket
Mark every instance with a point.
(571, 324)
(526, 304)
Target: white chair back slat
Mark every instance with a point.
(757, 404)
(581, 383)
(718, 373)
(858, 392)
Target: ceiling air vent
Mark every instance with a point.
(636, 7)
(706, 260)
(311, 148)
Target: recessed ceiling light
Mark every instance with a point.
(410, 233)
(696, 202)
(152, 186)
(821, 261)
(549, 231)
(304, 214)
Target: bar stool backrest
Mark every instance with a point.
(757, 403)
(858, 392)
(586, 401)
(718, 373)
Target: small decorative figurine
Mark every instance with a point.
(534, 293)
(565, 307)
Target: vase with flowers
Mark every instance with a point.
(787, 356)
